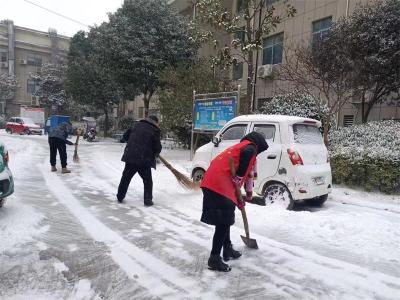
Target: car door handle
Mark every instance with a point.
(271, 156)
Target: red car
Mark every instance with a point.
(22, 126)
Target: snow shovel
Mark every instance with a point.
(76, 157)
(251, 243)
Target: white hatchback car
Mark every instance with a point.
(294, 168)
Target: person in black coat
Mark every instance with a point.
(143, 146)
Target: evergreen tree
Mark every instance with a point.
(88, 82)
(141, 39)
(370, 42)
(176, 94)
(51, 81)
(8, 86)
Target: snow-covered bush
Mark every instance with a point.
(125, 122)
(367, 155)
(295, 104)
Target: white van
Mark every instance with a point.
(294, 168)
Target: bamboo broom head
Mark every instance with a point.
(181, 178)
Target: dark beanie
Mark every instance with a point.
(258, 139)
(154, 118)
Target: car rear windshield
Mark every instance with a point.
(307, 134)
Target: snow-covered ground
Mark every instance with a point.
(65, 237)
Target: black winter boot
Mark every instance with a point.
(148, 202)
(215, 263)
(230, 253)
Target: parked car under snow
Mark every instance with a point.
(294, 168)
(6, 178)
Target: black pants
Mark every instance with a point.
(222, 238)
(57, 144)
(129, 171)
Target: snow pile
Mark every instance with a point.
(18, 225)
(374, 140)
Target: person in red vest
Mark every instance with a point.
(219, 199)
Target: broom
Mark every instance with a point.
(182, 179)
(76, 157)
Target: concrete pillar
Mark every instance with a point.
(54, 45)
(11, 47)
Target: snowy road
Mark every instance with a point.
(65, 237)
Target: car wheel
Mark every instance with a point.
(317, 201)
(27, 132)
(198, 175)
(2, 202)
(277, 195)
(9, 130)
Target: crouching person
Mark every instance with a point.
(219, 199)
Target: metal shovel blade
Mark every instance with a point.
(251, 243)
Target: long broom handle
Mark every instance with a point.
(240, 198)
(76, 142)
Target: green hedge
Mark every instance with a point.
(370, 174)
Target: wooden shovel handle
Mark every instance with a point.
(239, 198)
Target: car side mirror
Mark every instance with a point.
(216, 140)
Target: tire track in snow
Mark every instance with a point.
(133, 260)
(285, 273)
(293, 268)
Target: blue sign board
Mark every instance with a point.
(213, 114)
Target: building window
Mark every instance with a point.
(270, 2)
(3, 55)
(272, 49)
(348, 120)
(240, 35)
(320, 29)
(32, 86)
(239, 5)
(34, 60)
(237, 71)
(141, 112)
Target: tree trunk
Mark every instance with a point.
(363, 109)
(250, 82)
(366, 114)
(326, 129)
(146, 101)
(106, 121)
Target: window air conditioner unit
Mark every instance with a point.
(23, 61)
(264, 71)
(35, 101)
(4, 65)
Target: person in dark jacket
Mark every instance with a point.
(58, 141)
(144, 145)
(219, 199)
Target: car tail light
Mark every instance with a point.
(7, 157)
(295, 157)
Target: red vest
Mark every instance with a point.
(218, 177)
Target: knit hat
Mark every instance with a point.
(154, 118)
